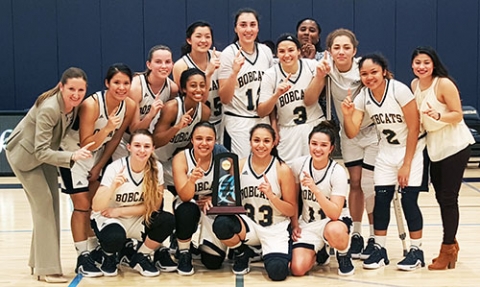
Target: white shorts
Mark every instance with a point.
(237, 133)
(389, 161)
(362, 149)
(219, 129)
(273, 239)
(294, 140)
(312, 234)
(75, 179)
(133, 226)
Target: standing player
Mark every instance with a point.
(196, 54)
(268, 194)
(281, 93)
(392, 107)
(359, 153)
(193, 177)
(150, 90)
(126, 206)
(448, 143)
(325, 217)
(173, 130)
(242, 65)
(308, 33)
(103, 118)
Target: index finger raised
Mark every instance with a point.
(88, 145)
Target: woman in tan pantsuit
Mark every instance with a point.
(32, 151)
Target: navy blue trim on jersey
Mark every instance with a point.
(192, 157)
(272, 161)
(240, 116)
(299, 72)
(150, 89)
(324, 175)
(379, 104)
(130, 172)
(245, 55)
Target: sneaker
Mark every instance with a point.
(126, 253)
(323, 258)
(173, 244)
(377, 259)
(356, 246)
(195, 251)
(241, 264)
(86, 266)
(141, 262)
(368, 249)
(97, 255)
(109, 265)
(256, 253)
(163, 260)
(412, 261)
(345, 265)
(185, 266)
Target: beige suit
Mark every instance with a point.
(32, 151)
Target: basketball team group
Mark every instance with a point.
(120, 149)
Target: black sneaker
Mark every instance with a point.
(356, 246)
(377, 259)
(109, 265)
(86, 266)
(97, 255)
(323, 258)
(256, 253)
(185, 266)
(141, 262)
(163, 260)
(368, 249)
(241, 264)
(412, 261)
(173, 244)
(345, 265)
(126, 253)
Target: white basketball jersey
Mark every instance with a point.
(182, 137)
(387, 115)
(258, 207)
(72, 139)
(213, 101)
(148, 96)
(340, 83)
(131, 192)
(332, 180)
(244, 101)
(203, 186)
(291, 109)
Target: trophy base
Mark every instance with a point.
(226, 210)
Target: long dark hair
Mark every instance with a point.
(118, 68)
(187, 48)
(245, 11)
(439, 69)
(269, 128)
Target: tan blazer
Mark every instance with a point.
(36, 139)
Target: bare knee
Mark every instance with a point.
(336, 233)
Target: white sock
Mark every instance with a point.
(183, 245)
(381, 240)
(416, 243)
(145, 250)
(92, 243)
(81, 246)
(372, 231)
(357, 227)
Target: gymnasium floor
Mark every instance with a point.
(15, 235)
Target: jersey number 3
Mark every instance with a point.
(265, 210)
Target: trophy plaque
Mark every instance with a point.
(226, 196)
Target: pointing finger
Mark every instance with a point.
(429, 106)
(214, 52)
(114, 112)
(265, 178)
(287, 78)
(239, 52)
(190, 112)
(88, 145)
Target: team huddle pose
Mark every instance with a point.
(162, 134)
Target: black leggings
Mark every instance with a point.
(446, 178)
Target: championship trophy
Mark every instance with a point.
(226, 196)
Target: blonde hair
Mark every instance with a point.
(151, 196)
(69, 73)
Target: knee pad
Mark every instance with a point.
(368, 189)
(187, 216)
(161, 226)
(211, 261)
(411, 210)
(112, 238)
(226, 226)
(277, 268)
(381, 210)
